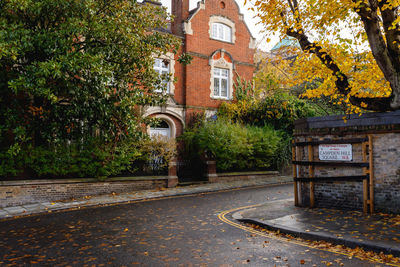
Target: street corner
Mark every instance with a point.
(378, 233)
(268, 210)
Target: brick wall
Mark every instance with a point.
(200, 41)
(192, 88)
(387, 171)
(14, 193)
(242, 176)
(386, 161)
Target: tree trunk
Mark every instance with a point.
(395, 85)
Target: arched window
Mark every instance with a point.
(222, 29)
(221, 32)
(221, 86)
(162, 129)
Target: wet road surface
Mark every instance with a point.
(174, 231)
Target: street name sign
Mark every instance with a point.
(339, 152)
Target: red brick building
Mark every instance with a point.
(217, 37)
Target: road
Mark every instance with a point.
(175, 231)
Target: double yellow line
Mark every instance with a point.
(223, 214)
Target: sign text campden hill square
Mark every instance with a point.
(340, 152)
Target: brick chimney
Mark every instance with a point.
(180, 11)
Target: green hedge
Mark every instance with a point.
(91, 159)
(233, 145)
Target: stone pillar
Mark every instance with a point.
(172, 174)
(211, 174)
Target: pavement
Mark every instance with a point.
(378, 232)
(113, 198)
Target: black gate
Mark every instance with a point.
(191, 170)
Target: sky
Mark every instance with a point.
(248, 17)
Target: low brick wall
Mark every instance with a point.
(385, 131)
(14, 193)
(240, 176)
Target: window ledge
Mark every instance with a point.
(164, 93)
(219, 40)
(220, 98)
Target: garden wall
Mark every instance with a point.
(384, 128)
(14, 193)
(241, 176)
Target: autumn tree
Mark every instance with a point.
(76, 70)
(273, 73)
(351, 47)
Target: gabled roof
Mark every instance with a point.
(194, 11)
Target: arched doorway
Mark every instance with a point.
(161, 129)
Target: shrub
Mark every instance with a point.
(155, 154)
(226, 142)
(243, 89)
(279, 110)
(265, 142)
(92, 159)
(234, 146)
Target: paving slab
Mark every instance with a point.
(76, 203)
(33, 208)
(378, 232)
(15, 210)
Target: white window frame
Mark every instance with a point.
(221, 63)
(170, 57)
(166, 132)
(221, 75)
(221, 32)
(162, 69)
(168, 120)
(221, 20)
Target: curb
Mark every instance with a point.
(109, 203)
(323, 237)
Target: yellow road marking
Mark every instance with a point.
(222, 217)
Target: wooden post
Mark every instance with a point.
(311, 173)
(371, 174)
(365, 182)
(296, 193)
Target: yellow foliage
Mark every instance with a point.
(336, 27)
